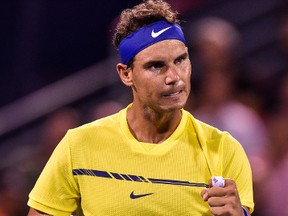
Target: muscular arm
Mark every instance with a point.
(34, 212)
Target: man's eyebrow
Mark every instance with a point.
(152, 62)
(184, 55)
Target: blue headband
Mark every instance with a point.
(146, 36)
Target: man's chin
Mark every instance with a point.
(174, 107)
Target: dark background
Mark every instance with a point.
(45, 40)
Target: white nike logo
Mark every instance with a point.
(156, 34)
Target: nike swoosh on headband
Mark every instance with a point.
(136, 196)
(156, 34)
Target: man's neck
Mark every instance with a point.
(149, 126)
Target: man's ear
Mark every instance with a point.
(125, 74)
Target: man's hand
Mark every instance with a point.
(223, 200)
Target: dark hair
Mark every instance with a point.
(145, 13)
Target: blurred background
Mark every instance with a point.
(58, 71)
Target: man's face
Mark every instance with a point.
(161, 76)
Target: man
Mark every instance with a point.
(153, 157)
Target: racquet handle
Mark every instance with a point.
(218, 181)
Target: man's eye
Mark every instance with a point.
(180, 59)
(156, 65)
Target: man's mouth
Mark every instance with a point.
(173, 94)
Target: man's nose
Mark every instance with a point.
(172, 75)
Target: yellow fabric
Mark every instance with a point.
(96, 167)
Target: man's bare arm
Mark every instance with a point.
(34, 212)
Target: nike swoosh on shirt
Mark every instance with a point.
(156, 34)
(136, 196)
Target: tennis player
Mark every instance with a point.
(153, 157)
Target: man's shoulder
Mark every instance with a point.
(111, 122)
(95, 133)
(201, 125)
(212, 138)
